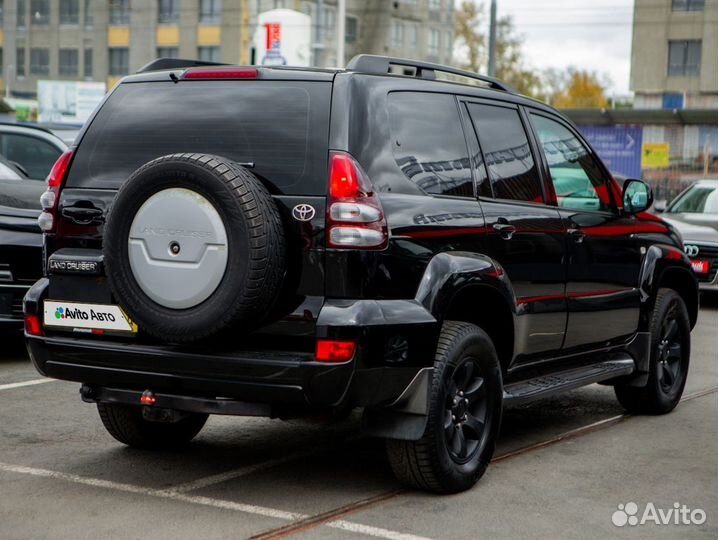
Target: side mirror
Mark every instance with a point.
(637, 196)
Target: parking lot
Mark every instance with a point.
(562, 467)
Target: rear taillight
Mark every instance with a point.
(355, 219)
(32, 325)
(331, 350)
(50, 198)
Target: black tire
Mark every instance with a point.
(433, 463)
(126, 424)
(256, 263)
(670, 355)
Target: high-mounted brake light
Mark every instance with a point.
(55, 181)
(330, 350)
(355, 218)
(221, 73)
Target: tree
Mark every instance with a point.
(473, 51)
(583, 90)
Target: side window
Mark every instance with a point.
(35, 155)
(428, 142)
(511, 166)
(483, 188)
(576, 177)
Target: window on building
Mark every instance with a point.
(329, 19)
(449, 42)
(69, 11)
(210, 11)
(428, 142)
(69, 62)
(40, 12)
(167, 52)
(119, 11)
(119, 61)
(512, 170)
(352, 29)
(168, 11)
(21, 13)
(280, 4)
(87, 64)
(20, 61)
(39, 61)
(687, 5)
(684, 58)
(577, 179)
(208, 54)
(413, 34)
(397, 33)
(89, 15)
(435, 5)
(434, 41)
(2, 12)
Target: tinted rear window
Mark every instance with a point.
(280, 126)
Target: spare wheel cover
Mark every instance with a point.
(177, 248)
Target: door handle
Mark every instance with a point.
(83, 215)
(577, 234)
(506, 230)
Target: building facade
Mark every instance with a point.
(103, 40)
(674, 58)
(418, 29)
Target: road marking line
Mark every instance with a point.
(237, 473)
(25, 383)
(368, 530)
(165, 494)
(263, 511)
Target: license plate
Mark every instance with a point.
(700, 267)
(87, 317)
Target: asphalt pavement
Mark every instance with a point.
(563, 467)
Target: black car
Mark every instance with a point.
(20, 241)
(284, 241)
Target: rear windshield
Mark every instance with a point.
(280, 126)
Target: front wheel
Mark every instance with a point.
(464, 415)
(670, 355)
(127, 424)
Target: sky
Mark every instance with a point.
(588, 34)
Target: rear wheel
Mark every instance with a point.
(464, 415)
(670, 354)
(127, 424)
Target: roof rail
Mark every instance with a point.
(175, 63)
(370, 63)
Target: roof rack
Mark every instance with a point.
(175, 63)
(370, 63)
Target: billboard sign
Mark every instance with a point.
(68, 102)
(283, 38)
(619, 147)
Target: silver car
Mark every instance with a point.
(695, 214)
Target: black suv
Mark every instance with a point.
(281, 242)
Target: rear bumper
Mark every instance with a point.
(256, 376)
(11, 296)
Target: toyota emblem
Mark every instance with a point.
(303, 212)
(691, 250)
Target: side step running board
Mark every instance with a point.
(540, 387)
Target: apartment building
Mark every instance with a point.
(103, 40)
(674, 58)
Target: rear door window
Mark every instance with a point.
(428, 142)
(507, 154)
(281, 127)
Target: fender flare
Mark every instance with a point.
(446, 275)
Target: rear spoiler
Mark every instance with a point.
(162, 64)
